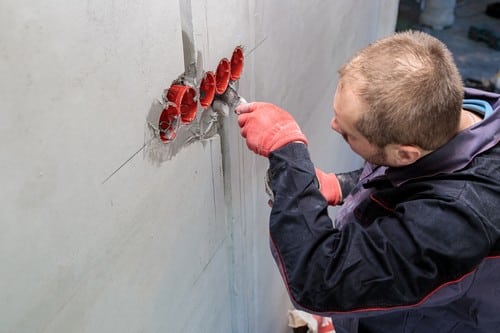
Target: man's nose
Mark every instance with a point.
(334, 125)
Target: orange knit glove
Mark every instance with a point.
(267, 127)
(329, 187)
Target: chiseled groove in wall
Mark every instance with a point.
(234, 299)
(188, 46)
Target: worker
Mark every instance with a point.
(415, 245)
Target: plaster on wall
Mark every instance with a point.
(161, 246)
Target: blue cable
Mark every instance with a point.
(478, 105)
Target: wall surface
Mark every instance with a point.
(177, 244)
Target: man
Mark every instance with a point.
(415, 246)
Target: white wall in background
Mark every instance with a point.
(176, 246)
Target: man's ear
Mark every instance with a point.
(408, 154)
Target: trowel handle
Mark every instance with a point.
(241, 100)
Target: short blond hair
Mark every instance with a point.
(412, 89)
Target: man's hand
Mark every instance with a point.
(329, 186)
(266, 127)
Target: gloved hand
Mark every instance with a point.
(267, 127)
(329, 187)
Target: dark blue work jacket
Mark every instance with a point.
(413, 249)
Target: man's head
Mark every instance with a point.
(398, 99)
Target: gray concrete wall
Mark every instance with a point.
(163, 245)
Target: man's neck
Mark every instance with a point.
(468, 119)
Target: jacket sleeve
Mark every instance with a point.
(396, 261)
(348, 181)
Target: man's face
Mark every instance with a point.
(347, 108)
